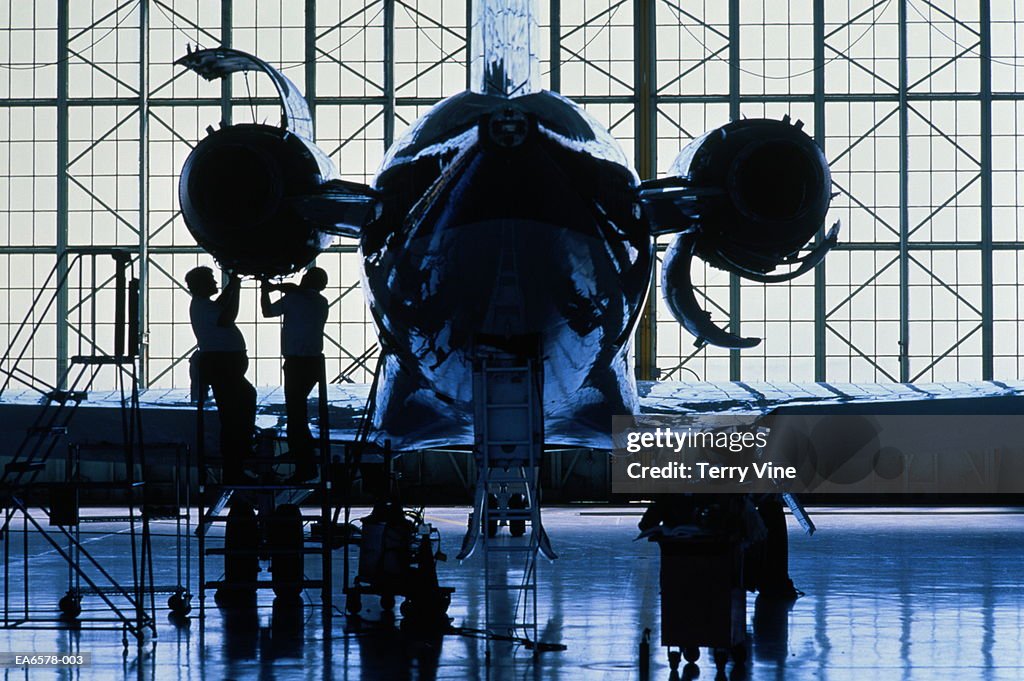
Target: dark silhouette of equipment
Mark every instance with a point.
(398, 554)
(277, 533)
(284, 537)
(509, 443)
(703, 539)
(51, 510)
(241, 561)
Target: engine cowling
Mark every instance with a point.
(239, 192)
(265, 200)
(773, 191)
(747, 198)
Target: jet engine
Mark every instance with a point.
(746, 198)
(236, 192)
(264, 200)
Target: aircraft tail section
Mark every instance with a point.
(505, 45)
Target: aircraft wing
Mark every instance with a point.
(737, 397)
(170, 416)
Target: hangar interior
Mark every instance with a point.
(916, 105)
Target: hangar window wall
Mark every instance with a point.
(904, 96)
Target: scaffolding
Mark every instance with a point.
(279, 534)
(171, 512)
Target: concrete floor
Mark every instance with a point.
(890, 595)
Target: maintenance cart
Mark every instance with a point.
(704, 541)
(703, 600)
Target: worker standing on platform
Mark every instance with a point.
(304, 310)
(222, 364)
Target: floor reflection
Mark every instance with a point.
(769, 637)
(890, 595)
(386, 652)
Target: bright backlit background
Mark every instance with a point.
(900, 93)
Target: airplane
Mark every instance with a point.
(508, 213)
(505, 213)
(508, 197)
(508, 218)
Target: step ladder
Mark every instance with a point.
(509, 435)
(23, 495)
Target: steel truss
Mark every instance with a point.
(384, 90)
(904, 101)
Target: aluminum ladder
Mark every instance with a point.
(509, 439)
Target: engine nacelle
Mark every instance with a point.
(770, 189)
(239, 193)
(265, 200)
(746, 198)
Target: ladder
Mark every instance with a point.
(23, 495)
(509, 435)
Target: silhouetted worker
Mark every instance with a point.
(302, 344)
(772, 575)
(222, 365)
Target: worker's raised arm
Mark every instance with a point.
(228, 301)
(275, 309)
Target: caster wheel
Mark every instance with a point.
(70, 605)
(353, 603)
(180, 603)
(691, 654)
(739, 653)
(179, 621)
(674, 656)
(387, 601)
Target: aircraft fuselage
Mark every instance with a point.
(506, 219)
